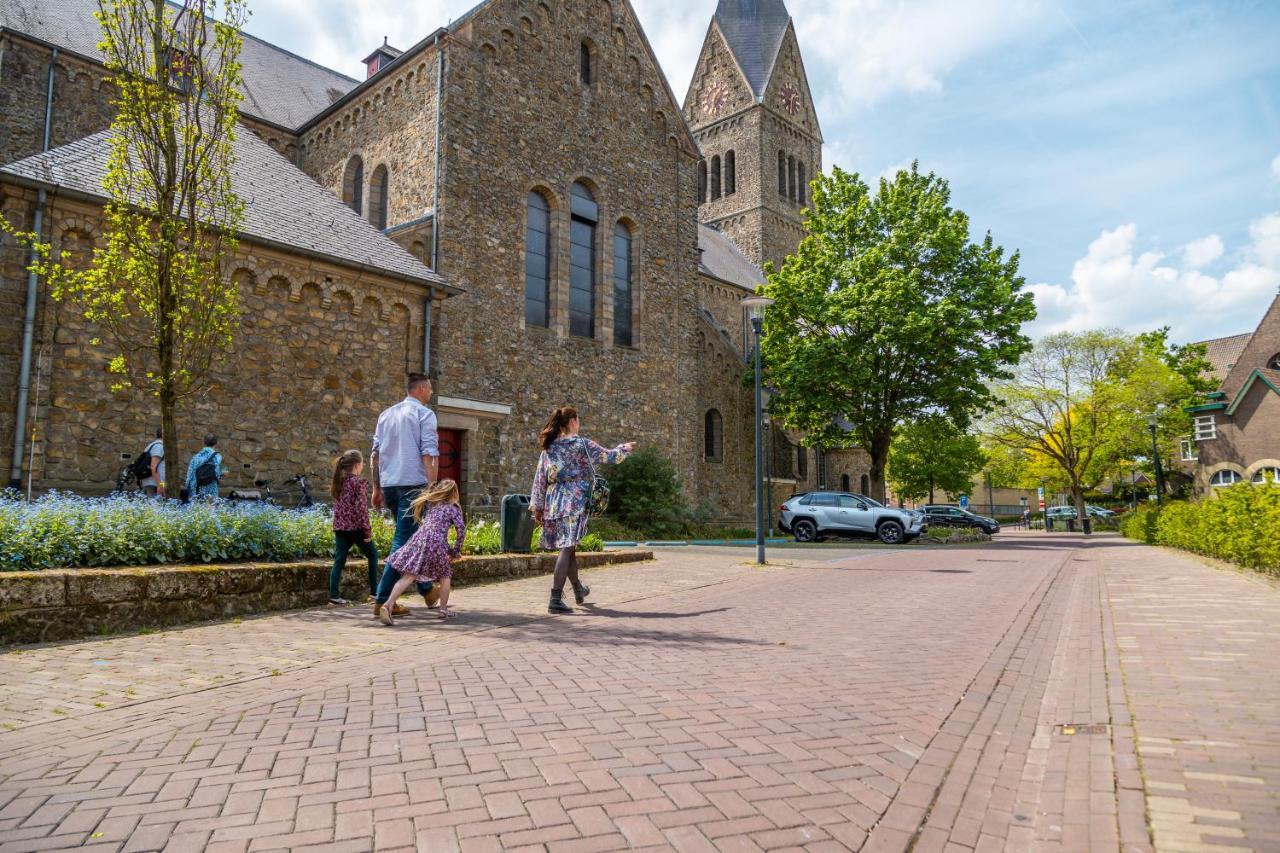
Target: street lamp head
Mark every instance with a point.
(756, 305)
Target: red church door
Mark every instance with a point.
(451, 455)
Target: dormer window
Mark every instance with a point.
(380, 58)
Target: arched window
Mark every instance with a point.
(622, 271)
(713, 436)
(378, 198)
(1225, 478)
(537, 260)
(353, 184)
(1266, 475)
(844, 482)
(419, 251)
(582, 261)
(802, 463)
(1274, 363)
(803, 188)
(782, 174)
(586, 64)
(702, 182)
(730, 173)
(865, 482)
(715, 177)
(791, 178)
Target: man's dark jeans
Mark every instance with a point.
(343, 542)
(397, 499)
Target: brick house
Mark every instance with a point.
(1236, 434)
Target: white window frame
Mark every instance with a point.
(1190, 453)
(1206, 427)
(1239, 478)
(1258, 478)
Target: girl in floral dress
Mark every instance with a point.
(427, 556)
(560, 496)
(351, 527)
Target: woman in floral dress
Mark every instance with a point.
(560, 496)
(428, 556)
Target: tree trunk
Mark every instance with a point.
(879, 452)
(931, 493)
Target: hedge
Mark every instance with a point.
(1241, 525)
(67, 531)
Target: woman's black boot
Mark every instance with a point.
(580, 593)
(557, 604)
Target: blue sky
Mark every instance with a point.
(1130, 149)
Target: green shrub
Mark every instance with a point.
(645, 493)
(1241, 524)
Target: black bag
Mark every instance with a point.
(141, 467)
(206, 473)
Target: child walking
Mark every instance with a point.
(350, 522)
(427, 556)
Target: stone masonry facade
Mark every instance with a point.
(316, 360)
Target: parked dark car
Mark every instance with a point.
(954, 516)
(816, 515)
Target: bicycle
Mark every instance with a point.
(127, 483)
(295, 495)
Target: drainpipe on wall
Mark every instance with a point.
(435, 213)
(33, 290)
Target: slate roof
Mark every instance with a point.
(279, 87)
(721, 259)
(1223, 353)
(754, 31)
(283, 205)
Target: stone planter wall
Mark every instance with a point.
(67, 604)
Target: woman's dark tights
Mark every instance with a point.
(566, 567)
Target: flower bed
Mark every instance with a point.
(66, 531)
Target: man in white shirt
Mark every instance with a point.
(405, 459)
(154, 485)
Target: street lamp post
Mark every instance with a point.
(756, 306)
(1152, 420)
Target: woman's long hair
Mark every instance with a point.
(439, 492)
(342, 468)
(556, 424)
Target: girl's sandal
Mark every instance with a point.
(445, 613)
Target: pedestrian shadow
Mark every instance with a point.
(593, 610)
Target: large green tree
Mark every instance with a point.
(888, 312)
(158, 288)
(930, 455)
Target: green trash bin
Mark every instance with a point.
(516, 523)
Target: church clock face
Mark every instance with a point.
(715, 98)
(791, 99)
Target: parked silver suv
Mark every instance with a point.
(812, 516)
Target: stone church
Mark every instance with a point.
(517, 203)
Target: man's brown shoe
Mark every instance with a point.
(432, 596)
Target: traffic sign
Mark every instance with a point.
(964, 501)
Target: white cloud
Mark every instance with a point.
(1275, 168)
(1115, 284)
(1200, 253)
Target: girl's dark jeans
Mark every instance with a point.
(343, 542)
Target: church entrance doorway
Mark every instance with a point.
(451, 455)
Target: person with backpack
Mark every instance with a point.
(148, 468)
(204, 471)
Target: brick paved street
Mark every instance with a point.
(1036, 693)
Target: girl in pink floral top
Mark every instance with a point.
(428, 556)
(350, 522)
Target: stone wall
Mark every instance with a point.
(319, 353)
(45, 606)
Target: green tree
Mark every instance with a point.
(644, 493)
(159, 289)
(931, 454)
(887, 313)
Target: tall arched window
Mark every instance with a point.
(353, 184)
(582, 261)
(844, 482)
(702, 182)
(865, 482)
(586, 70)
(730, 173)
(378, 198)
(713, 436)
(715, 177)
(782, 174)
(803, 188)
(537, 260)
(791, 178)
(802, 463)
(622, 275)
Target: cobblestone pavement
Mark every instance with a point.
(1035, 693)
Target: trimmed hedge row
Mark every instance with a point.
(66, 531)
(1242, 525)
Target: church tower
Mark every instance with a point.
(751, 112)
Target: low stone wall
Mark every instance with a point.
(66, 604)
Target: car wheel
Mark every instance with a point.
(890, 533)
(805, 530)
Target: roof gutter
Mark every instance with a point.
(33, 292)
